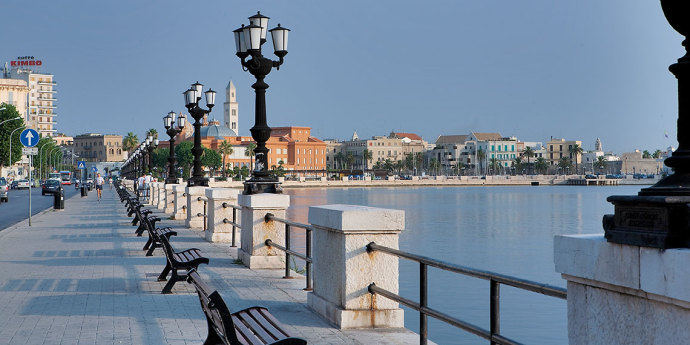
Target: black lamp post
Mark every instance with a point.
(168, 122)
(658, 216)
(248, 41)
(192, 98)
(151, 145)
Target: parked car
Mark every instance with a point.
(590, 176)
(23, 184)
(50, 186)
(4, 190)
(13, 185)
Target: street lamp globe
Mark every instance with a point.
(181, 121)
(168, 120)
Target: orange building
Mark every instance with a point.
(294, 146)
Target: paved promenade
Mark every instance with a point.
(79, 276)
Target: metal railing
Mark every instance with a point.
(495, 279)
(288, 249)
(204, 214)
(233, 222)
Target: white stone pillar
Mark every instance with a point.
(217, 230)
(622, 294)
(255, 231)
(160, 198)
(194, 207)
(343, 269)
(169, 205)
(180, 201)
(154, 194)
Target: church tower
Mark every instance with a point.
(597, 146)
(230, 109)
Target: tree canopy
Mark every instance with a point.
(6, 130)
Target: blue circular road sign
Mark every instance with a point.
(29, 137)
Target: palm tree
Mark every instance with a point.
(529, 152)
(541, 164)
(153, 133)
(646, 154)
(340, 157)
(349, 159)
(481, 154)
(225, 149)
(130, 142)
(366, 156)
(494, 164)
(249, 152)
(517, 165)
(601, 163)
(564, 163)
(575, 151)
(657, 154)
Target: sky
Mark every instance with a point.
(533, 69)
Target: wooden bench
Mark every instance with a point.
(154, 236)
(250, 326)
(184, 260)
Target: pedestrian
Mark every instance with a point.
(147, 184)
(99, 185)
(140, 185)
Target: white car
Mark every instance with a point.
(23, 184)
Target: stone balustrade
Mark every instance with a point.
(180, 201)
(194, 207)
(218, 230)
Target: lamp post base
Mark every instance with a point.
(259, 185)
(197, 182)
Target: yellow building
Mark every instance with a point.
(559, 148)
(14, 92)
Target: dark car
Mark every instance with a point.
(4, 190)
(50, 187)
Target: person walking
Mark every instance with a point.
(99, 185)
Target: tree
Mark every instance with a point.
(646, 154)
(398, 165)
(6, 130)
(249, 152)
(225, 149)
(575, 151)
(601, 163)
(184, 156)
(657, 154)
(153, 133)
(366, 156)
(517, 165)
(494, 164)
(388, 165)
(564, 163)
(481, 155)
(529, 153)
(418, 160)
(130, 142)
(349, 159)
(211, 159)
(339, 158)
(541, 165)
(160, 160)
(433, 165)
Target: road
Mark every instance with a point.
(17, 209)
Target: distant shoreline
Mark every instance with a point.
(457, 181)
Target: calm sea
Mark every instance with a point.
(508, 230)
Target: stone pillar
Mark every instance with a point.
(218, 231)
(194, 207)
(160, 198)
(255, 231)
(180, 201)
(169, 206)
(624, 294)
(343, 269)
(154, 194)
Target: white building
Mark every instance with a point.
(231, 109)
(41, 97)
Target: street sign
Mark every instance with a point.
(81, 165)
(95, 169)
(32, 151)
(29, 137)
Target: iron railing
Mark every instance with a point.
(205, 200)
(495, 279)
(233, 222)
(288, 249)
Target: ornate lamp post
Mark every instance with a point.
(168, 122)
(658, 216)
(192, 98)
(248, 41)
(152, 144)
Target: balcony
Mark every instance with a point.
(47, 82)
(46, 91)
(47, 106)
(46, 99)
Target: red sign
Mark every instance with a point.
(26, 63)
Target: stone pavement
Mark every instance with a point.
(79, 276)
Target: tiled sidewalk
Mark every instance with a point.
(79, 276)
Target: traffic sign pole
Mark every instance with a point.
(29, 138)
(31, 159)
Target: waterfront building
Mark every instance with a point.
(634, 163)
(15, 92)
(94, 147)
(559, 148)
(451, 150)
(231, 109)
(333, 146)
(40, 100)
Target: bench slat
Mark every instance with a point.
(268, 322)
(256, 326)
(243, 333)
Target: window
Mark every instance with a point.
(234, 112)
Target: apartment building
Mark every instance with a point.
(40, 101)
(559, 148)
(14, 92)
(94, 147)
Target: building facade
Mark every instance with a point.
(15, 92)
(93, 147)
(40, 101)
(559, 148)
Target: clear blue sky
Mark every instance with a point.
(532, 68)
